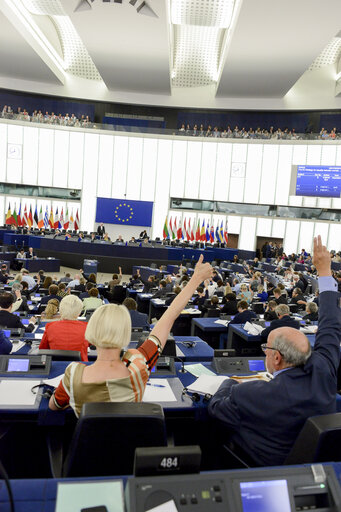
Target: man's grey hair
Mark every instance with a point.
(16, 286)
(282, 309)
(290, 353)
(312, 307)
(298, 290)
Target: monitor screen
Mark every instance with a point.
(18, 365)
(29, 302)
(7, 332)
(25, 321)
(265, 496)
(267, 324)
(256, 365)
(316, 181)
(16, 313)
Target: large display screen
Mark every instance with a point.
(316, 180)
(265, 496)
(18, 365)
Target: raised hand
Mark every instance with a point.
(202, 270)
(321, 258)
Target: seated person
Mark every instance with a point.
(231, 306)
(298, 298)
(93, 301)
(279, 297)
(67, 333)
(245, 294)
(3, 276)
(162, 291)
(212, 309)
(283, 289)
(283, 320)
(119, 238)
(176, 291)
(74, 282)
(116, 279)
(220, 287)
(25, 290)
(262, 295)
(5, 344)
(135, 280)
(270, 313)
(81, 286)
(29, 279)
(244, 314)
(88, 287)
(312, 312)
(20, 301)
(112, 377)
(21, 254)
(51, 311)
(8, 319)
(137, 319)
(65, 279)
(53, 294)
(30, 253)
(62, 292)
(199, 299)
(268, 433)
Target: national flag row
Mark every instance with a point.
(42, 220)
(197, 232)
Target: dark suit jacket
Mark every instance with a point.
(44, 300)
(139, 319)
(230, 308)
(101, 230)
(11, 321)
(268, 433)
(5, 344)
(281, 300)
(286, 321)
(242, 318)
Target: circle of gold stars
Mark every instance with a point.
(123, 219)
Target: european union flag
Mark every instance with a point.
(124, 211)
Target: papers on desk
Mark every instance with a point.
(253, 329)
(17, 392)
(169, 506)
(190, 311)
(222, 322)
(198, 369)
(55, 381)
(207, 384)
(159, 301)
(179, 353)
(158, 390)
(309, 329)
(73, 496)
(38, 335)
(17, 345)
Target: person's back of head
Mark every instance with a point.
(93, 292)
(163, 283)
(52, 308)
(70, 307)
(109, 327)
(292, 345)
(130, 304)
(297, 291)
(277, 291)
(88, 286)
(53, 289)
(177, 290)
(312, 307)
(6, 300)
(231, 297)
(242, 305)
(281, 286)
(200, 289)
(47, 282)
(68, 275)
(24, 285)
(214, 300)
(282, 310)
(92, 278)
(61, 287)
(272, 305)
(220, 283)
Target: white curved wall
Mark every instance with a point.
(155, 168)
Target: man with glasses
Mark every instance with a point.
(264, 418)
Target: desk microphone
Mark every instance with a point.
(182, 369)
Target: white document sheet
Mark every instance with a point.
(169, 506)
(55, 381)
(158, 390)
(39, 336)
(17, 391)
(198, 369)
(222, 322)
(207, 384)
(179, 352)
(17, 345)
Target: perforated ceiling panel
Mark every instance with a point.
(196, 55)
(329, 55)
(199, 27)
(206, 13)
(77, 60)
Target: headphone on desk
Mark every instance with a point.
(195, 397)
(48, 392)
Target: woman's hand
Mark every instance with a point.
(202, 270)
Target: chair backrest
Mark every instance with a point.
(75, 292)
(118, 294)
(61, 355)
(213, 313)
(258, 307)
(318, 441)
(107, 434)
(293, 308)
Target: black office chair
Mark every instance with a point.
(105, 439)
(318, 441)
(76, 292)
(118, 294)
(293, 308)
(212, 313)
(60, 355)
(258, 308)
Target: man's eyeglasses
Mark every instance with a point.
(265, 347)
